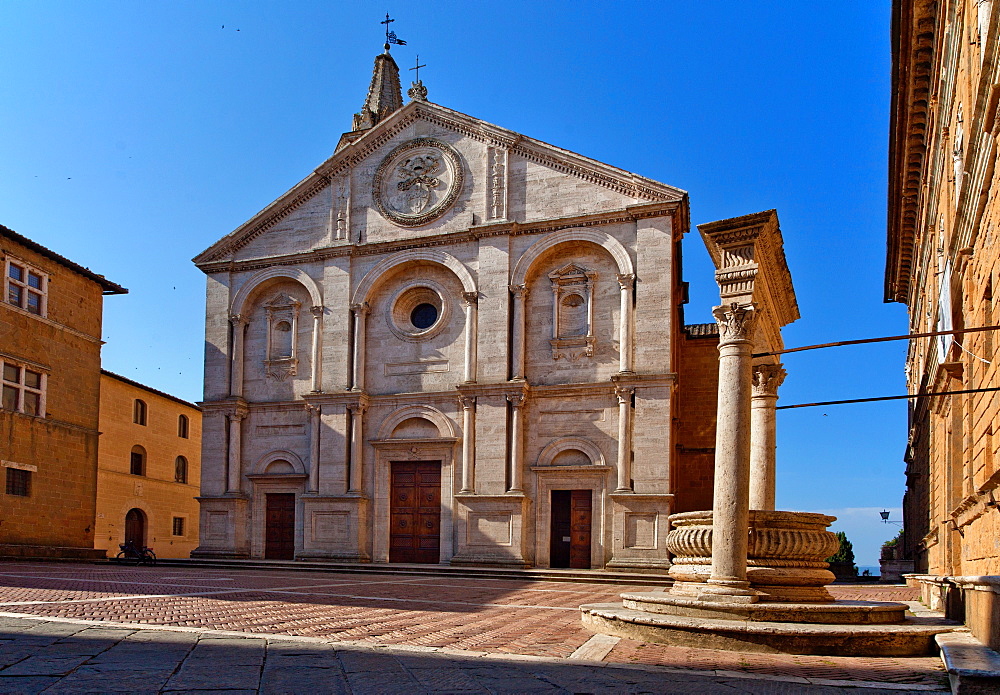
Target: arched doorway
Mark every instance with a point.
(135, 528)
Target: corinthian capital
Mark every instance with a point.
(767, 378)
(238, 319)
(470, 298)
(735, 321)
(626, 280)
(519, 291)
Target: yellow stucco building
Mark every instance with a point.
(149, 465)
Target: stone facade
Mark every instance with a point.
(159, 490)
(445, 291)
(942, 263)
(50, 346)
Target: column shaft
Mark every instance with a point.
(624, 439)
(236, 364)
(314, 421)
(626, 283)
(516, 444)
(357, 449)
(471, 300)
(358, 376)
(766, 380)
(468, 444)
(518, 328)
(317, 349)
(731, 502)
(235, 451)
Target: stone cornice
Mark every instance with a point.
(351, 154)
(624, 215)
(914, 32)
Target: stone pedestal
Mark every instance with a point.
(785, 555)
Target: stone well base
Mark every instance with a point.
(836, 613)
(913, 637)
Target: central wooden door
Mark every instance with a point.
(279, 529)
(135, 529)
(569, 543)
(415, 512)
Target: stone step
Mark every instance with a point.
(913, 637)
(836, 613)
(973, 668)
(534, 574)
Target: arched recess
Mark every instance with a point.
(359, 306)
(381, 268)
(593, 236)
(555, 447)
(260, 467)
(443, 423)
(297, 274)
(626, 278)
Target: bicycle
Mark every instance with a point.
(130, 553)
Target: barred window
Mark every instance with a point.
(23, 389)
(139, 412)
(137, 461)
(26, 287)
(180, 470)
(178, 529)
(18, 482)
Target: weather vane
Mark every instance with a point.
(390, 36)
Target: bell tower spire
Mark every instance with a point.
(385, 95)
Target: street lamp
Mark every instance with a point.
(885, 518)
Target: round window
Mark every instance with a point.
(424, 315)
(418, 312)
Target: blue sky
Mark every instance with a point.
(133, 135)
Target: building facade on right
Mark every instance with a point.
(942, 262)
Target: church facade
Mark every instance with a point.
(452, 343)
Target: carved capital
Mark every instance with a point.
(626, 281)
(468, 402)
(736, 321)
(313, 410)
(238, 415)
(238, 320)
(316, 311)
(470, 298)
(766, 379)
(362, 309)
(519, 292)
(624, 393)
(516, 399)
(357, 409)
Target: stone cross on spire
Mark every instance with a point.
(385, 95)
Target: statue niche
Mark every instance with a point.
(572, 312)
(282, 337)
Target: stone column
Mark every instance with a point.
(235, 451)
(519, 329)
(471, 302)
(468, 444)
(239, 323)
(626, 282)
(314, 423)
(766, 380)
(317, 349)
(360, 323)
(357, 448)
(624, 394)
(516, 444)
(731, 505)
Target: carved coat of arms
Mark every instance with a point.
(417, 182)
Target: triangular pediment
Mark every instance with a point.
(316, 196)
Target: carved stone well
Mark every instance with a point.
(786, 556)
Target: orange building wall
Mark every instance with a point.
(155, 493)
(66, 347)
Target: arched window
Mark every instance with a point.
(139, 412)
(137, 460)
(182, 426)
(181, 469)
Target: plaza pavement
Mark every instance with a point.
(102, 628)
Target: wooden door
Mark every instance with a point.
(415, 512)
(135, 529)
(569, 543)
(279, 529)
(580, 516)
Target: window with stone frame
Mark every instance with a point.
(178, 526)
(26, 287)
(182, 426)
(18, 482)
(180, 470)
(23, 388)
(137, 461)
(572, 312)
(139, 412)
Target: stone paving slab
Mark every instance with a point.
(268, 630)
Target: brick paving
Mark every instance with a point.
(466, 617)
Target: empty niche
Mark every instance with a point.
(571, 457)
(282, 336)
(279, 467)
(415, 428)
(572, 312)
